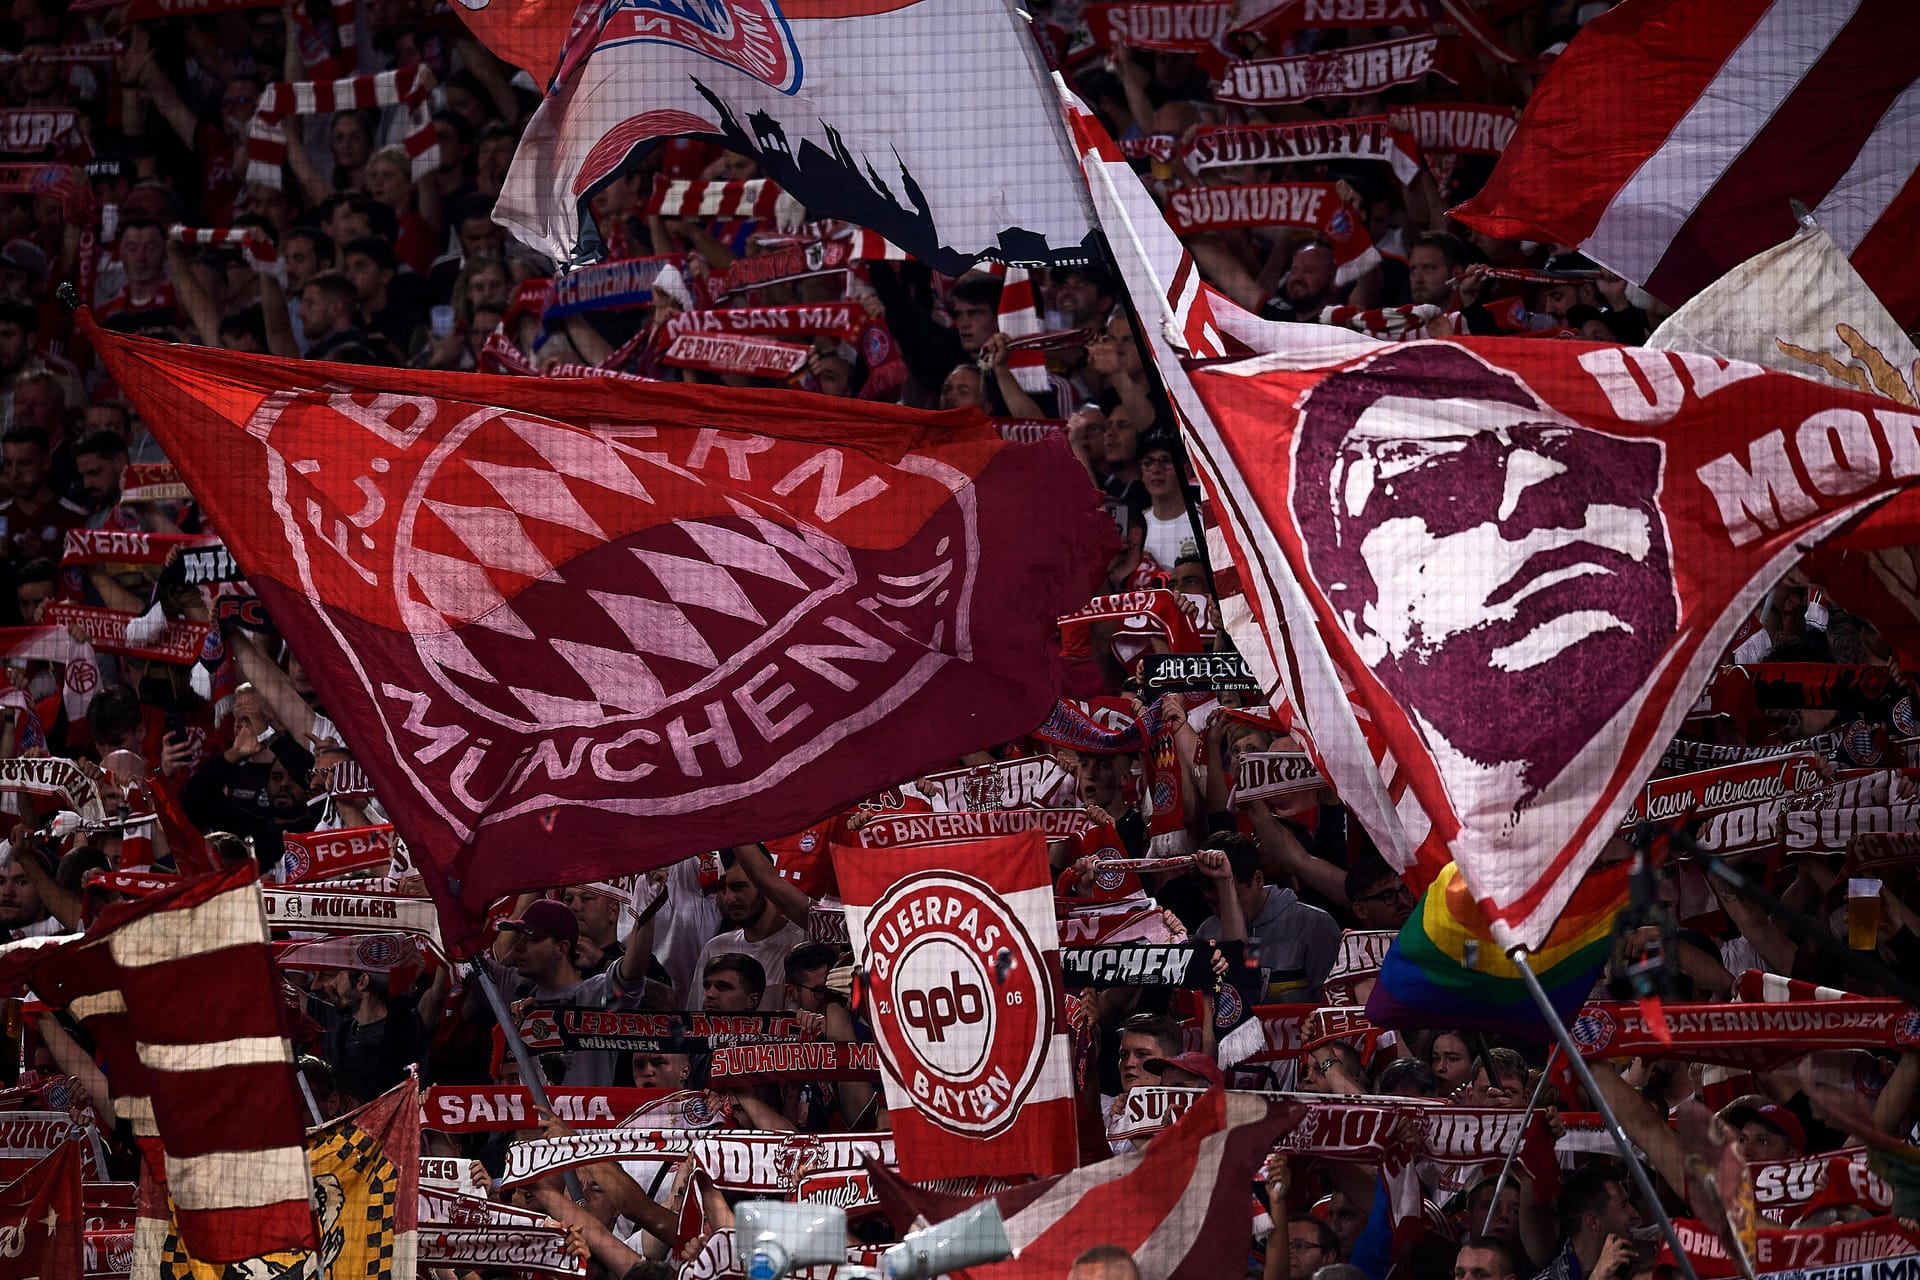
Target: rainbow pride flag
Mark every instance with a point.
(1445, 970)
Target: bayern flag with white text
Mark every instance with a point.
(962, 964)
(850, 106)
(1670, 138)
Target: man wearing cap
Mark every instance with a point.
(534, 958)
(1758, 1127)
(1189, 1071)
(1563, 296)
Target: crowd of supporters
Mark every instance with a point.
(360, 260)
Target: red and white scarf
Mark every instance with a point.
(267, 148)
(1358, 138)
(749, 357)
(751, 198)
(27, 131)
(254, 244)
(1314, 206)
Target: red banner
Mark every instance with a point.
(1839, 1252)
(842, 320)
(1467, 128)
(1331, 73)
(795, 262)
(176, 640)
(322, 855)
(1746, 1035)
(747, 1065)
(926, 830)
(1356, 138)
(500, 1108)
(963, 989)
(620, 623)
(725, 353)
(116, 546)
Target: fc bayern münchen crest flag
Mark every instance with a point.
(574, 629)
(853, 107)
(961, 958)
(1526, 560)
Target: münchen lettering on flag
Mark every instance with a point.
(622, 623)
(850, 114)
(1568, 532)
(1669, 138)
(1179, 1205)
(179, 994)
(962, 964)
(365, 1168)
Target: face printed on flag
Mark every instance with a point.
(1524, 563)
(1476, 536)
(848, 106)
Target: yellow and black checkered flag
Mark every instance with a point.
(366, 1193)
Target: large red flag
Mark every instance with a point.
(575, 629)
(1670, 138)
(1526, 559)
(962, 962)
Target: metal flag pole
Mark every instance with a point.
(1506, 1168)
(529, 1070)
(1641, 1181)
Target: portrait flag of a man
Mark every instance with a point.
(1526, 559)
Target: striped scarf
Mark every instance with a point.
(267, 149)
(254, 244)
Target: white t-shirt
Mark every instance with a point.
(1165, 536)
(770, 951)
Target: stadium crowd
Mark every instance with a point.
(355, 259)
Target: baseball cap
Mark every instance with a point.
(24, 255)
(1756, 1107)
(545, 919)
(1198, 1064)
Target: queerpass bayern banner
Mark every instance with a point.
(847, 105)
(962, 963)
(577, 629)
(1528, 559)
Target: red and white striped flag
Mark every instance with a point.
(1179, 1206)
(966, 1003)
(752, 198)
(179, 993)
(1669, 138)
(267, 148)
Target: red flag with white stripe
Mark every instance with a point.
(179, 992)
(1669, 138)
(1179, 1206)
(962, 963)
